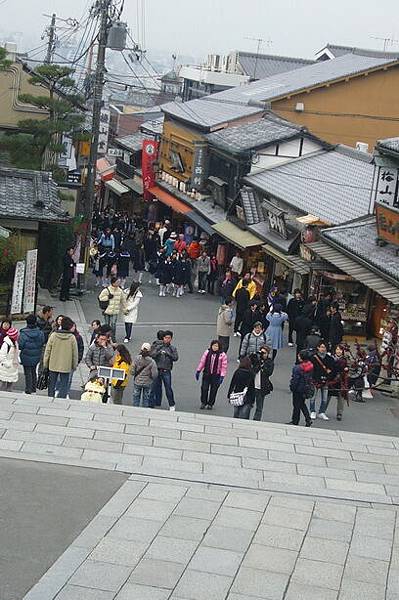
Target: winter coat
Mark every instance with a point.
(295, 308)
(94, 392)
(249, 319)
(3, 334)
(242, 299)
(252, 343)
(275, 331)
(145, 370)
(61, 353)
(221, 368)
(251, 287)
(226, 287)
(169, 246)
(194, 250)
(150, 248)
(204, 264)
(131, 312)
(301, 378)
(46, 326)
(31, 342)
(138, 259)
(181, 272)
(303, 325)
(336, 330)
(320, 375)
(117, 301)
(9, 361)
(338, 383)
(179, 246)
(225, 320)
(98, 356)
(237, 264)
(119, 363)
(164, 355)
(164, 272)
(213, 269)
(243, 378)
(123, 264)
(81, 346)
(312, 341)
(68, 267)
(265, 367)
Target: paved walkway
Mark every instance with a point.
(217, 509)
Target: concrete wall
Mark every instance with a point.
(13, 83)
(361, 109)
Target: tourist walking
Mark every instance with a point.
(122, 361)
(243, 386)
(338, 386)
(250, 284)
(100, 352)
(68, 273)
(323, 372)
(112, 301)
(164, 354)
(303, 325)
(4, 327)
(336, 329)
(237, 265)
(95, 330)
(301, 387)
(242, 303)
(224, 323)
(213, 366)
(263, 367)
(31, 342)
(61, 357)
(45, 321)
(227, 284)
(294, 309)
(9, 359)
(203, 264)
(131, 312)
(276, 318)
(253, 341)
(145, 372)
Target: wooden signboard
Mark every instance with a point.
(387, 224)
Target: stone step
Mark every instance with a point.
(200, 448)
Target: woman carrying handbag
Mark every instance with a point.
(241, 392)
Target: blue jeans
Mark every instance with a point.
(111, 320)
(52, 383)
(156, 392)
(323, 400)
(58, 384)
(137, 390)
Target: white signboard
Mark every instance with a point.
(30, 281)
(104, 131)
(80, 268)
(118, 152)
(388, 187)
(18, 288)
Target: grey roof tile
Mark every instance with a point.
(133, 142)
(265, 65)
(208, 115)
(250, 136)
(333, 185)
(338, 50)
(359, 239)
(391, 144)
(30, 195)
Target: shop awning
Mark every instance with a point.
(136, 185)
(290, 260)
(117, 187)
(359, 272)
(201, 222)
(170, 200)
(239, 237)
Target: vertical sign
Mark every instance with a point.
(18, 288)
(104, 131)
(150, 155)
(387, 192)
(199, 166)
(30, 281)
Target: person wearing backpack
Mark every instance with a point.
(252, 342)
(112, 301)
(302, 388)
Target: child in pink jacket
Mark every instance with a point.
(213, 365)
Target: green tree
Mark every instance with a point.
(4, 62)
(44, 136)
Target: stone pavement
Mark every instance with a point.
(216, 508)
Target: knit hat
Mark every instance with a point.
(146, 346)
(13, 334)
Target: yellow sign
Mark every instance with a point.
(84, 148)
(387, 224)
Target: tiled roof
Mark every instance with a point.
(259, 66)
(133, 142)
(30, 195)
(251, 206)
(214, 110)
(155, 126)
(359, 240)
(390, 144)
(293, 81)
(338, 50)
(333, 185)
(267, 130)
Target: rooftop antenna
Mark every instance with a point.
(388, 41)
(261, 42)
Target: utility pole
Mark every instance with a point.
(52, 39)
(103, 9)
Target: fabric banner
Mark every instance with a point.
(18, 288)
(150, 155)
(30, 281)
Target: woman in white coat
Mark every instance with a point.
(133, 297)
(9, 359)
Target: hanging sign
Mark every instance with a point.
(150, 155)
(18, 288)
(387, 193)
(387, 224)
(30, 281)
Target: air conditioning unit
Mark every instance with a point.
(216, 62)
(299, 107)
(362, 146)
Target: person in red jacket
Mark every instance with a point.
(180, 244)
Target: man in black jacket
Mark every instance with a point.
(294, 309)
(336, 329)
(242, 303)
(68, 273)
(303, 325)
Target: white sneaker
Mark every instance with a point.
(323, 417)
(290, 344)
(160, 293)
(67, 397)
(56, 394)
(312, 415)
(172, 408)
(126, 340)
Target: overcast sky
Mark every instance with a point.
(198, 27)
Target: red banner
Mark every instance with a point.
(150, 155)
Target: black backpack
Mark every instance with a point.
(103, 304)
